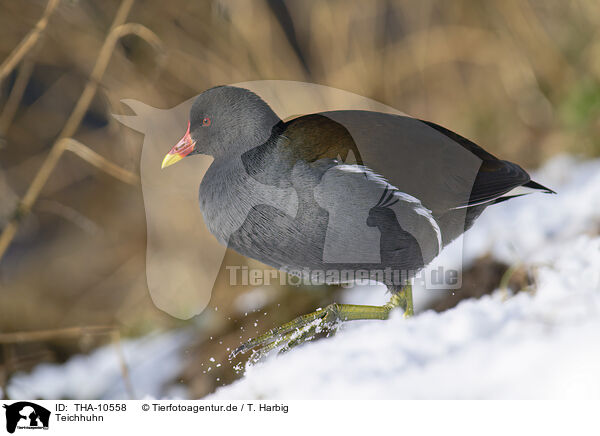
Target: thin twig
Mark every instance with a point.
(103, 58)
(8, 352)
(16, 93)
(43, 174)
(100, 162)
(8, 339)
(28, 42)
(45, 335)
(99, 67)
(116, 338)
(118, 30)
(70, 214)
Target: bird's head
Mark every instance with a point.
(224, 121)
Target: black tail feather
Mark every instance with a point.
(534, 185)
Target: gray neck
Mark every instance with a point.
(246, 134)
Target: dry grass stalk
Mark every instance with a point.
(100, 67)
(15, 96)
(8, 339)
(43, 174)
(9, 358)
(118, 30)
(99, 162)
(116, 338)
(28, 42)
(45, 335)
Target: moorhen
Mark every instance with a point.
(337, 196)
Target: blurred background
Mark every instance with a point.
(521, 78)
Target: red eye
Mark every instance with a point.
(206, 122)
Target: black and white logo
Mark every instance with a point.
(26, 415)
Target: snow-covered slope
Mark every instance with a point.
(539, 344)
(153, 361)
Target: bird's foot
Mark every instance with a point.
(323, 321)
(301, 329)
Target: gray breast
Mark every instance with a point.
(228, 194)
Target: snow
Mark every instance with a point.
(544, 343)
(539, 344)
(154, 361)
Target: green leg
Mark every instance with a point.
(305, 327)
(408, 295)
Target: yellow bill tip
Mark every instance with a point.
(170, 159)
